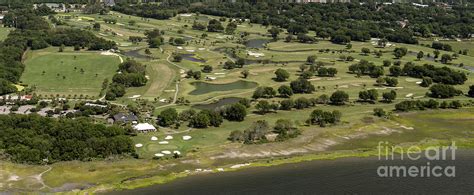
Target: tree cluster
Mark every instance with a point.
(35, 139)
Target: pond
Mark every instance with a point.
(136, 54)
(256, 43)
(203, 87)
(470, 68)
(191, 58)
(217, 104)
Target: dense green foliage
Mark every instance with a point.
(323, 118)
(345, 22)
(443, 91)
(443, 75)
(130, 74)
(412, 105)
(35, 139)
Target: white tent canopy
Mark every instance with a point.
(144, 127)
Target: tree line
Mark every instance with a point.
(35, 139)
(341, 22)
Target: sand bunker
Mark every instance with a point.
(166, 152)
(138, 145)
(169, 137)
(154, 138)
(186, 137)
(159, 155)
(255, 54)
(409, 95)
(239, 165)
(407, 128)
(163, 142)
(333, 79)
(412, 80)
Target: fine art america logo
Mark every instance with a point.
(391, 154)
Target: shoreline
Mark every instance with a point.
(257, 163)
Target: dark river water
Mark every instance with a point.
(341, 176)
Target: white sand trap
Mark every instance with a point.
(409, 95)
(343, 86)
(191, 50)
(419, 82)
(314, 79)
(169, 137)
(333, 79)
(223, 36)
(171, 90)
(239, 165)
(180, 47)
(166, 152)
(154, 138)
(159, 155)
(186, 137)
(135, 96)
(186, 15)
(177, 152)
(255, 54)
(182, 71)
(407, 128)
(412, 80)
(163, 100)
(243, 26)
(14, 178)
(202, 49)
(109, 53)
(163, 142)
(147, 77)
(384, 88)
(138, 145)
(220, 169)
(120, 35)
(219, 73)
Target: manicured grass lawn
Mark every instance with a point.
(62, 71)
(4, 33)
(458, 45)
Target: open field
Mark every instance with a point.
(68, 73)
(209, 148)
